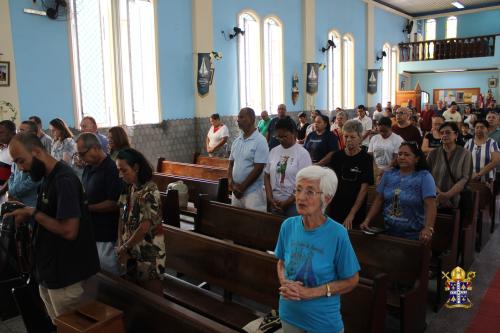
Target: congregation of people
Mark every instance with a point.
(92, 188)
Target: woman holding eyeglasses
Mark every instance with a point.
(285, 160)
(354, 170)
(316, 260)
(141, 245)
(451, 167)
(407, 197)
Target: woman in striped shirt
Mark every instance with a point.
(485, 153)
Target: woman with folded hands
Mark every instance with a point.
(316, 260)
(407, 197)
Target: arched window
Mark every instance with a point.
(394, 73)
(386, 74)
(348, 71)
(273, 64)
(334, 72)
(430, 34)
(451, 27)
(249, 62)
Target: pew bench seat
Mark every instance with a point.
(207, 303)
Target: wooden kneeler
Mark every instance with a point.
(92, 317)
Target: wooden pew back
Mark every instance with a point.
(254, 229)
(145, 311)
(404, 261)
(190, 170)
(237, 269)
(211, 161)
(214, 189)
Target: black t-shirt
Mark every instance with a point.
(102, 183)
(433, 142)
(301, 131)
(273, 142)
(60, 262)
(352, 172)
(320, 145)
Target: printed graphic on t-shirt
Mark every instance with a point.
(281, 168)
(300, 267)
(381, 157)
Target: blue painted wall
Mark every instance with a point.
(479, 24)
(175, 49)
(351, 19)
(43, 68)
(428, 82)
(474, 24)
(225, 13)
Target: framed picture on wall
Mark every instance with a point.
(492, 82)
(4, 73)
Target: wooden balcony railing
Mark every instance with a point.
(453, 48)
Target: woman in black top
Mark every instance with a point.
(432, 140)
(302, 127)
(354, 169)
(321, 144)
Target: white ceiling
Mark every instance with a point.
(416, 7)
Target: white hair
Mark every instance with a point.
(328, 181)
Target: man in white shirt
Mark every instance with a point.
(367, 125)
(378, 113)
(452, 114)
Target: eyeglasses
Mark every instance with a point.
(448, 132)
(82, 153)
(401, 113)
(308, 193)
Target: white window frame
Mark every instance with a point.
(244, 65)
(451, 27)
(394, 73)
(334, 65)
(271, 99)
(113, 80)
(386, 73)
(348, 70)
(430, 34)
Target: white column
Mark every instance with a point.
(370, 52)
(202, 42)
(309, 32)
(8, 94)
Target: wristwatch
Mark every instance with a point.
(328, 291)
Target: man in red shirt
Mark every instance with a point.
(404, 128)
(426, 118)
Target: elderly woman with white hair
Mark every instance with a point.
(316, 260)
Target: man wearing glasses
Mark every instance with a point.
(103, 187)
(404, 128)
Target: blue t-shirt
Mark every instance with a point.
(404, 196)
(245, 153)
(315, 257)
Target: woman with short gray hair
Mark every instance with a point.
(316, 260)
(354, 167)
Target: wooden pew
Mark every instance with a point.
(210, 161)
(190, 170)
(484, 218)
(215, 190)
(145, 311)
(254, 229)
(406, 264)
(251, 274)
(467, 231)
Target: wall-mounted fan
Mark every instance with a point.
(55, 9)
(408, 27)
